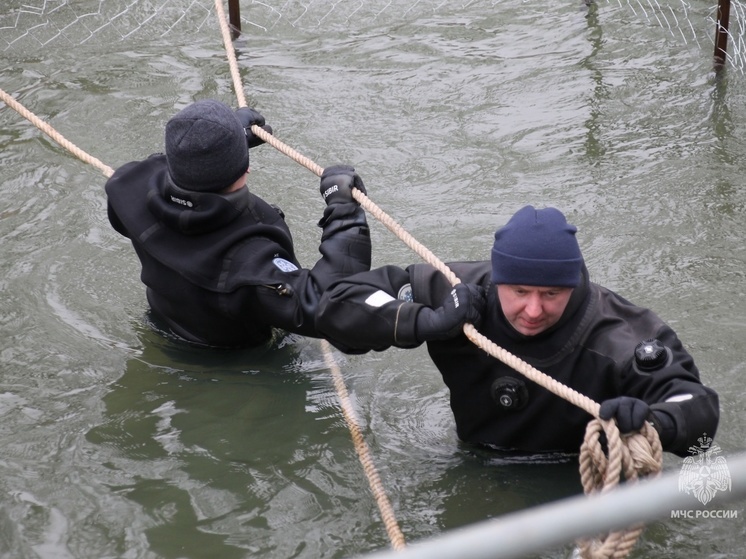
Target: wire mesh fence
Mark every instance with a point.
(32, 24)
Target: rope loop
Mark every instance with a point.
(635, 455)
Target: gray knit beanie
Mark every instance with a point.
(206, 147)
(537, 247)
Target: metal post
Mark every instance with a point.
(234, 16)
(721, 34)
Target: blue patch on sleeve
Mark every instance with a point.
(405, 293)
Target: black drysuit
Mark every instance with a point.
(221, 270)
(591, 349)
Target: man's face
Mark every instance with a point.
(531, 309)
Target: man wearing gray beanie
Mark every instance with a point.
(534, 299)
(218, 262)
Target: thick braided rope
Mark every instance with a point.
(361, 448)
(641, 455)
(231, 52)
(52, 133)
(364, 455)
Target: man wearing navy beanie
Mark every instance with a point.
(534, 299)
(535, 252)
(218, 261)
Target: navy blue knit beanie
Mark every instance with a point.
(537, 247)
(206, 147)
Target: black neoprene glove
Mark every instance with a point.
(337, 182)
(248, 117)
(630, 413)
(463, 304)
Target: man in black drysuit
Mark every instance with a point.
(533, 299)
(217, 260)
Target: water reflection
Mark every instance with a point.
(223, 450)
(483, 485)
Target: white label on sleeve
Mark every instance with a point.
(680, 398)
(284, 265)
(378, 299)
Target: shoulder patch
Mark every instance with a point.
(405, 293)
(284, 265)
